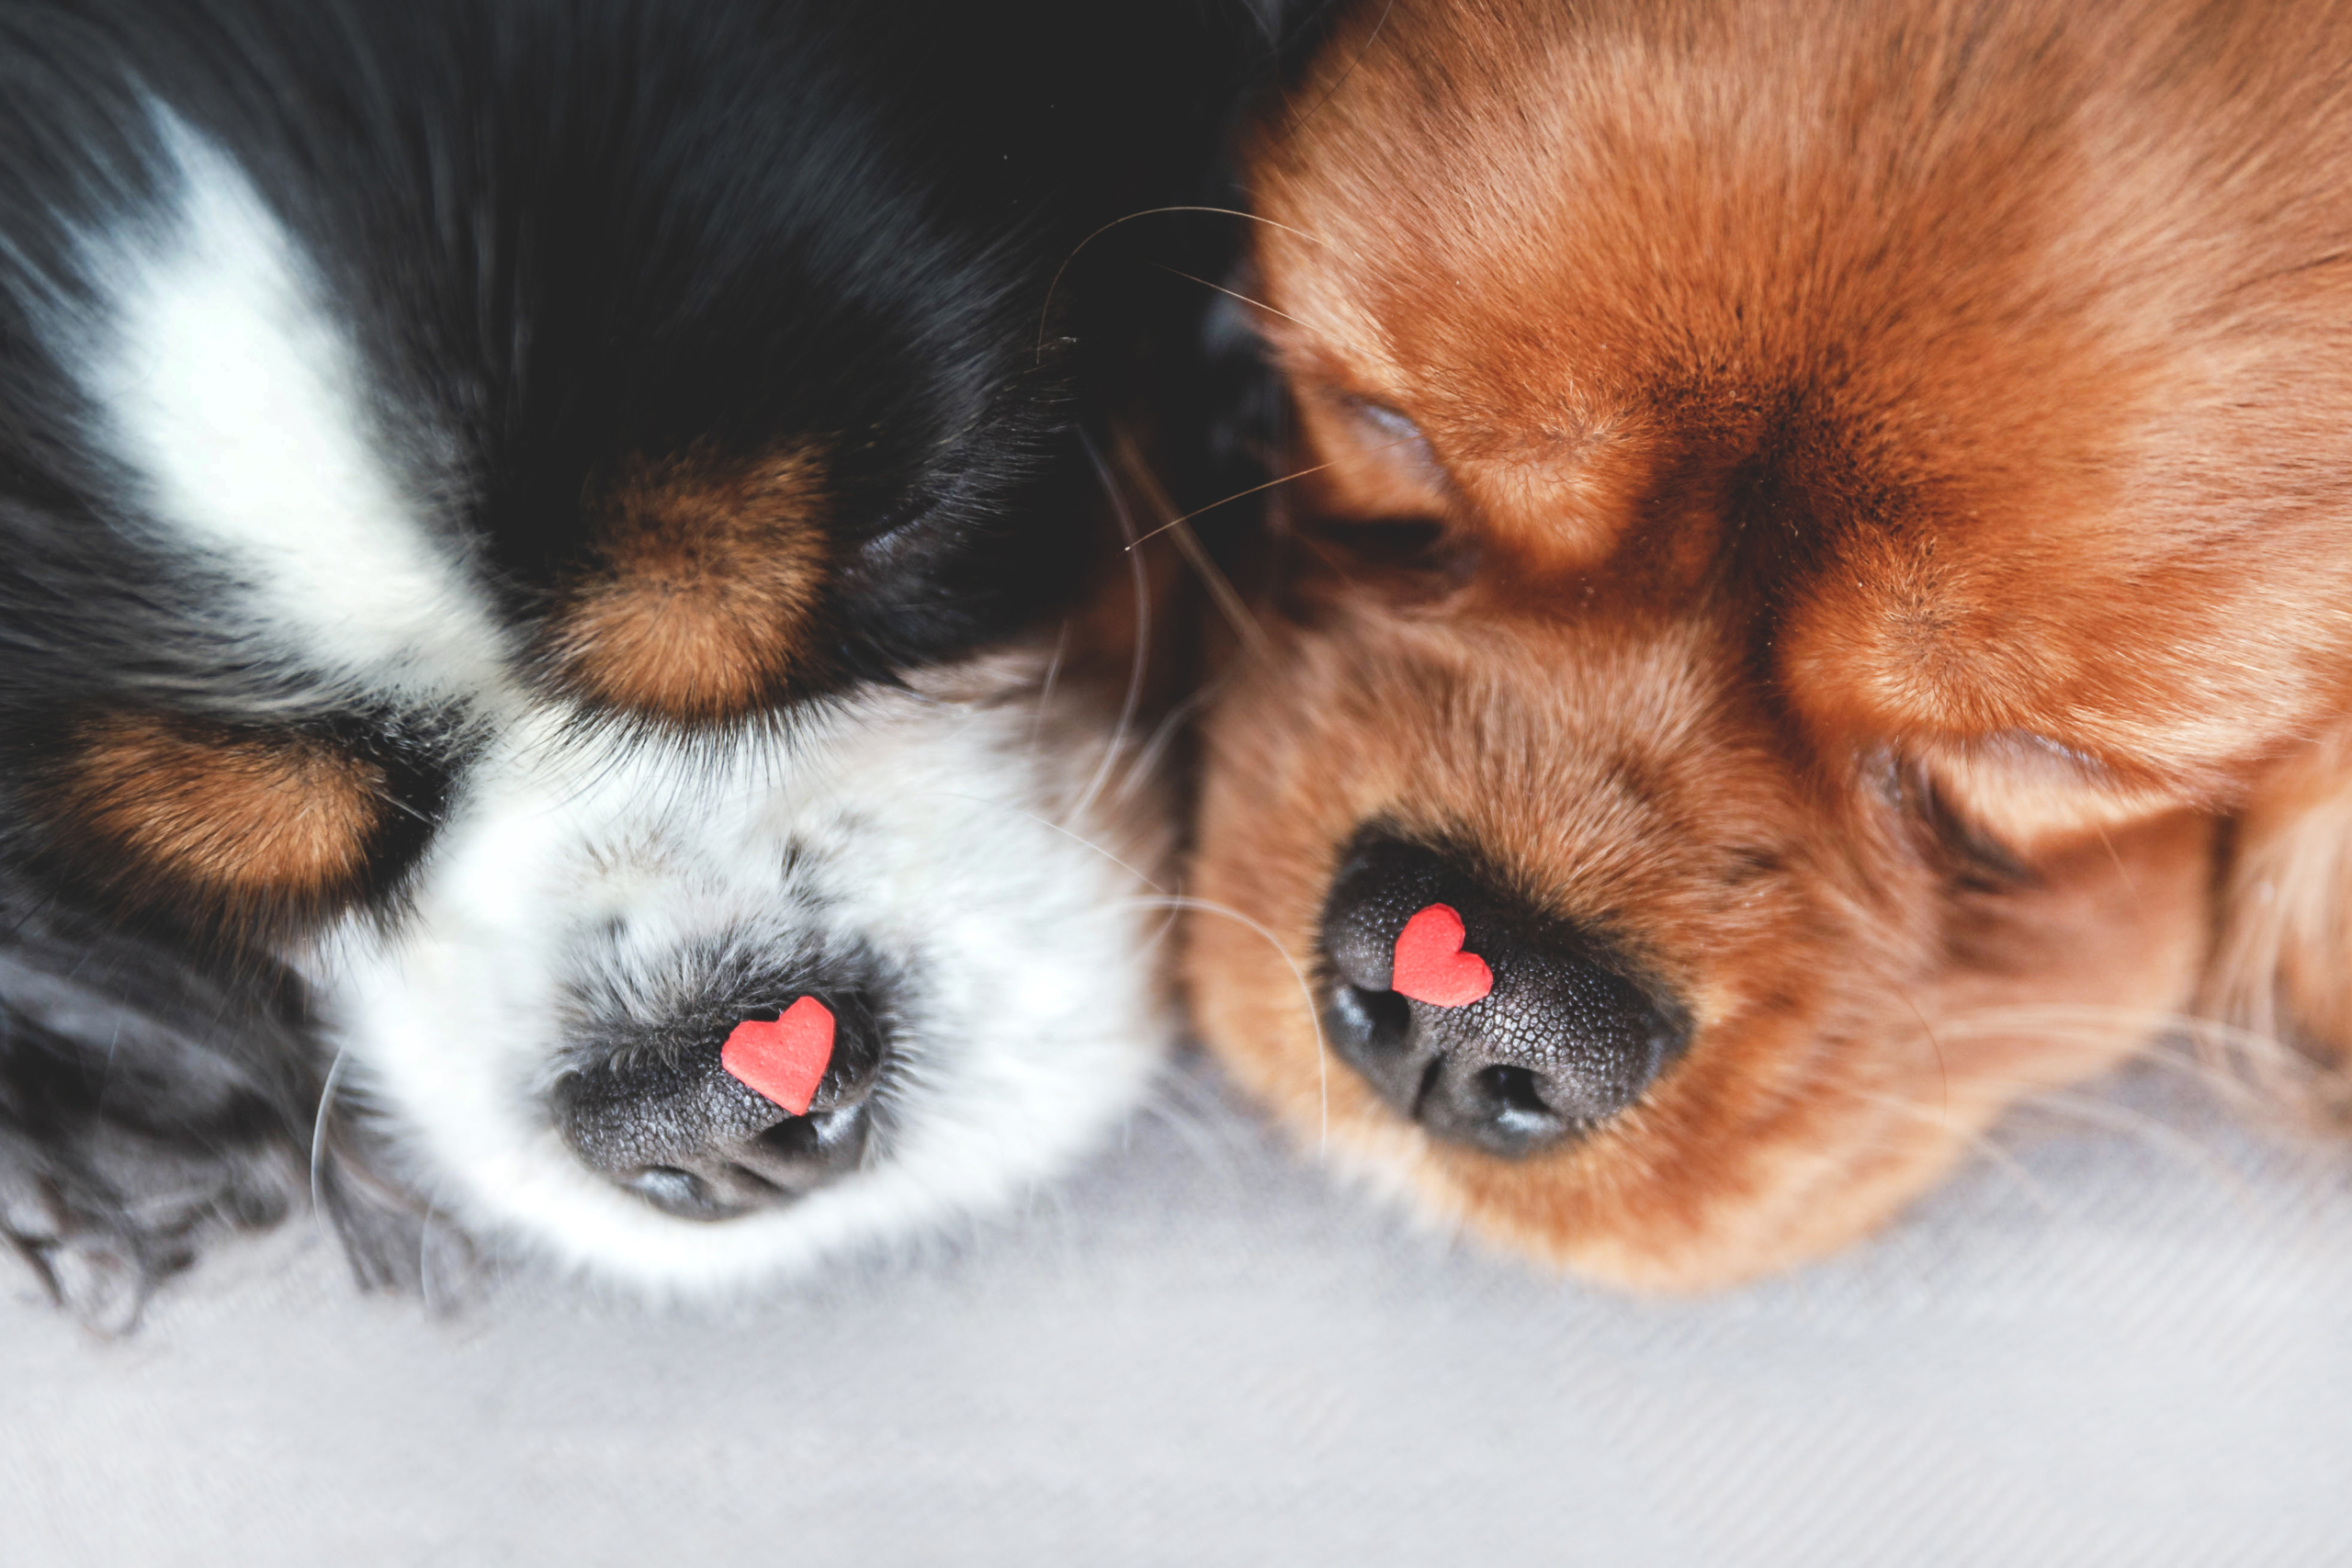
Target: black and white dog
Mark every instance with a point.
(510, 515)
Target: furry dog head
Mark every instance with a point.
(512, 515)
(1824, 540)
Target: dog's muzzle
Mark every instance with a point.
(664, 1119)
(1563, 1035)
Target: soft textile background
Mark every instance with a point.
(2123, 1336)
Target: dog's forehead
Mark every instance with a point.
(1599, 222)
(1937, 332)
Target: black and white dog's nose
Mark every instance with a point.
(1485, 1022)
(665, 1119)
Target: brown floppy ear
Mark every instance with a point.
(2281, 968)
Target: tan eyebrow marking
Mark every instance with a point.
(245, 817)
(704, 575)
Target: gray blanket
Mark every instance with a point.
(2123, 1336)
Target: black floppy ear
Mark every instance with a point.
(146, 1104)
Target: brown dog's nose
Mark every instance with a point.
(1529, 1034)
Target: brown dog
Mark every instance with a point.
(1831, 553)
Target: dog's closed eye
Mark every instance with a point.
(1379, 465)
(1391, 433)
(1378, 503)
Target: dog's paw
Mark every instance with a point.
(148, 1103)
(103, 1215)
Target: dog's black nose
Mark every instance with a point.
(662, 1117)
(1510, 1032)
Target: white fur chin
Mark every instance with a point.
(915, 828)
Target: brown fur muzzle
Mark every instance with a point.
(1880, 479)
(1859, 1011)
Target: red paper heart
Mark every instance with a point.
(1431, 966)
(784, 1060)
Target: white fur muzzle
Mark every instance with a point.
(913, 828)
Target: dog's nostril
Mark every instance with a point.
(668, 1122)
(666, 1186)
(833, 1140)
(1513, 1091)
(1505, 1109)
(1556, 1035)
(1363, 1024)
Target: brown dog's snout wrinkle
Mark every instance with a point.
(1567, 1037)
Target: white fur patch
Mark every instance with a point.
(911, 827)
(233, 395)
(907, 825)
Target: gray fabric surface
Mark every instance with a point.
(2120, 1338)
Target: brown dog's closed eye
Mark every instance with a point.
(1891, 461)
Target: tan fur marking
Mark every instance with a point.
(704, 578)
(242, 816)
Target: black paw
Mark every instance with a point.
(146, 1105)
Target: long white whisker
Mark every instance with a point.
(1980, 1143)
(1305, 993)
(1045, 312)
(1222, 594)
(1230, 294)
(1075, 837)
(1147, 756)
(1142, 635)
(319, 1135)
(1237, 495)
(1244, 494)
(1165, 928)
(1221, 591)
(2121, 1119)
(1045, 687)
(1377, 29)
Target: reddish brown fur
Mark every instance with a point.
(705, 577)
(1890, 461)
(242, 826)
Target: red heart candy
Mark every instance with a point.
(784, 1060)
(1431, 966)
